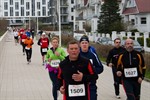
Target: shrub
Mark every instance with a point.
(124, 38)
(141, 40)
(66, 38)
(148, 42)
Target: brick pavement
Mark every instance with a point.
(20, 81)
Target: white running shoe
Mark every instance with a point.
(118, 97)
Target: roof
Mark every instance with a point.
(142, 6)
(131, 10)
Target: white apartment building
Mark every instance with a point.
(25, 9)
(87, 13)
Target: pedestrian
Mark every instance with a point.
(43, 42)
(32, 33)
(131, 67)
(111, 61)
(54, 56)
(89, 52)
(75, 73)
(23, 36)
(28, 48)
(15, 33)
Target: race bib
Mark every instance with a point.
(76, 90)
(23, 40)
(44, 49)
(27, 48)
(130, 72)
(54, 63)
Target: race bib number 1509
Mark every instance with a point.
(76, 90)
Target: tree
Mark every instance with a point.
(110, 19)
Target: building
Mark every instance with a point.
(137, 13)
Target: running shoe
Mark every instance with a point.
(118, 97)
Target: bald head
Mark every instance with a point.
(129, 45)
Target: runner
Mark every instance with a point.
(75, 74)
(89, 52)
(43, 42)
(23, 37)
(15, 33)
(111, 61)
(53, 57)
(28, 48)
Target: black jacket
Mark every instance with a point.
(68, 68)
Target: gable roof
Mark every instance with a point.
(142, 6)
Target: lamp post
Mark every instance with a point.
(59, 19)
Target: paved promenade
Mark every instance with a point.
(20, 81)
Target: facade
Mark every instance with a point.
(137, 13)
(86, 14)
(25, 9)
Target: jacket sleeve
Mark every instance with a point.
(62, 54)
(39, 41)
(142, 66)
(98, 65)
(119, 63)
(92, 76)
(109, 57)
(47, 55)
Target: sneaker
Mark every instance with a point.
(118, 97)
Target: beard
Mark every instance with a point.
(129, 49)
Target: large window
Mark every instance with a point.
(16, 5)
(44, 11)
(43, 2)
(38, 5)
(16, 13)
(11, 2)
(27, 5)
(22, 2)
(5, 6)
(22, 11)
(11, 11)
(143, 20)
(5, 13)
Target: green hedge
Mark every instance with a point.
(141, 40)
(148, 42)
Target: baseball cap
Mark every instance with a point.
(84, 38)
(43, 33)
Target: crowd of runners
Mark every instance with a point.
(75, 75)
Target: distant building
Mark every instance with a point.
(137, 13)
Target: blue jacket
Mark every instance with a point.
(94, 60)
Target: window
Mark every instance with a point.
(11, 11)
(143, 20)
(27, 13)
(5, 6)
(43, 2)
(27, 5)
(72, 18)
(22, 11)
(22, 2)
(132, 22)
(16, 13)
(72, 9)
(11, 2)
(38, 5)
(5, 13)
(44, 11)
(72, 1)
(16, 5)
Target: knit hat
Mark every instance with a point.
(84, 38)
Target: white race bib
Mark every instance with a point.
(54, 63)
(44, 49)
(130, 72)
(76, 90)
(27, 48)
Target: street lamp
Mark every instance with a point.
(59, 19)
